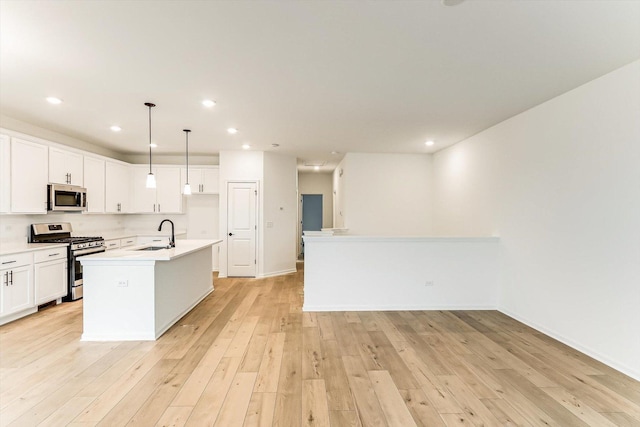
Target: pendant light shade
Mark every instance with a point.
(151, 179)
(187, 187)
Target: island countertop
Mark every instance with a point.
(133, 253)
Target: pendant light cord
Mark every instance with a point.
(149, 105)
(186, 131)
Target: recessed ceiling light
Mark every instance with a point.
(451, 2)
(53, 100)
(245, 146)
(429, 143)
(153, 145)
(316, 168)
(208, 103)
(232, 131)
(115, 128)
(335, 152)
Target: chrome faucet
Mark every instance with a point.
(172, 239)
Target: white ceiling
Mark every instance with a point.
(312, 76)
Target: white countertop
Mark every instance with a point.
(123, 234)
(18, 247)
(183, 247)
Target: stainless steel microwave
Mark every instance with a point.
(65, 198)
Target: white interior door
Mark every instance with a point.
(241, 229)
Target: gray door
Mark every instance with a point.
(311, 213)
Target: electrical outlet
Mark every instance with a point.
(429, 283)
(269, 224)
(122, 283)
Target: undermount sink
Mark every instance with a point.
(152, 248)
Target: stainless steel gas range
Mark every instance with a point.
(78, 247)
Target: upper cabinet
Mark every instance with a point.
(165, 198)
(5, 174)
(203, 180)
(94, 172)
(29, 176)
(117, 194)
(65, 167)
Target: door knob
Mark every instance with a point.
(230, 234)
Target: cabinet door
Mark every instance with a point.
(116, 187)
(168, 191)
(29, 177)
(144, 199)
(94, 183)
(50, 280)
(195, 179)
(17, 289)
(5, 174)
(65, 167)
(210, 181)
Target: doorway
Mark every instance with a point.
(311, 215)
(241, 229)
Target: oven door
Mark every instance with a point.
(75, 271)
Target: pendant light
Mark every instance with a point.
(151, 179)
(187, 187)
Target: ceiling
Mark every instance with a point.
(311, 76)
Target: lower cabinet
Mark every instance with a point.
(30, 279)
(17, 289)
(50, 275)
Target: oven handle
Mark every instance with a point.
(88, 251)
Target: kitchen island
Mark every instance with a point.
(137, 293)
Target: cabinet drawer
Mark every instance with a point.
(15, 260)
(156, 240)
(127, 242)
(50, 254)
(112, 244)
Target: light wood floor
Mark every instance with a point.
(248, 356)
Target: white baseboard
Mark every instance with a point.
(276, 273)
(627, 370)
(393, 307)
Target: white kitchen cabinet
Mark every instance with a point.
(128, 241)
(65, 167)
(17, 283)
(94, 183)
(5, 174)
(117, 184)
(203, 180)
(50, 274)
(165, 198)
(154, 240)
(29, 176)
(112, 244)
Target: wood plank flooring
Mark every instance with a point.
(248, 356)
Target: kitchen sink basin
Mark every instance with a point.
(152, 248)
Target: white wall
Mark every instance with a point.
(391, 273)
(203, 221)
(39, 132)
(339, 202)
(15, 228)
(280, 213)
(319, 183)
(560, 185)
(387, 194)
(237, 166)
